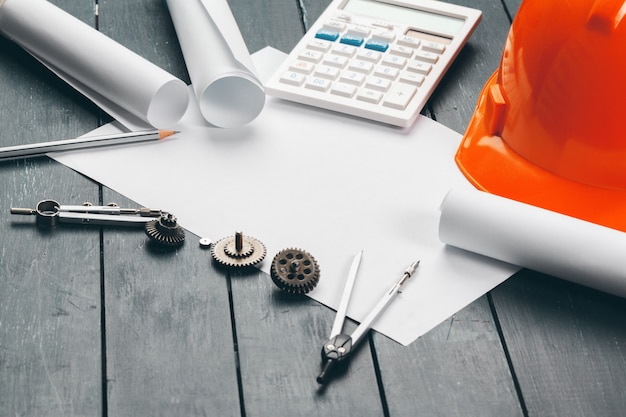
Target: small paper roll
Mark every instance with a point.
(109, 74)
(222, 74)
(534, 238)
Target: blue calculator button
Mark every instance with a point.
(352, 40)
(327, 35)
(377, 45)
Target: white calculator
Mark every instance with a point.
(377, 59)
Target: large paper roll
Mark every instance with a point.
(222, 74)
(127, 86)
(538, 239)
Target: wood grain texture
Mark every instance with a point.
(270, 22)
(144, 27)
(280, 339)
(457, 369)
(456, 96)
(169, 339)
(50, 339)
(566, 344)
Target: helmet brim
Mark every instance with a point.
(492, 166)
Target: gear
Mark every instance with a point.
(295, 271)
(165, 230)
(238, 251)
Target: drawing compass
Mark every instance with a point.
(339, 346)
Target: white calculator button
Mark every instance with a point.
(377, 83)
(335, 61)
(327, 72)
(394, 61)
(426, 56)
(335, 25)
(351, 77)
(319, 45)
(359, 30)
(347, 17)
(382, 24)
(399, 96)
(311, 56)
(361, 66)
(369, 96)
(386, 72)
(302, 67)
(368, 55)
(435, 47)
(384, 36)
(401, 51)
(292, 78)
(344, 50)
(317, 83)
(411, 78)
(419, 67)
(409, 41)
(344, 90)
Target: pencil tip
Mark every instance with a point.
(166, 133)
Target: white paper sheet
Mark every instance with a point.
(538, 239)
(323, 182)
(129, 87)
(223, 76)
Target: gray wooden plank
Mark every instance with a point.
(271, 22)
(456, 96)
(456, 369)
(311, 10)
(280, 339)
(169, 340)
(566, 344)
(512, 6)
(50, 363)
(144, 27)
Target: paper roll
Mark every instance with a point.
(123, 83)
(534, 238)
(222, 74)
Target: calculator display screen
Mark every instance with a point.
(420, 19)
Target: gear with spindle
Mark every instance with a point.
(165, 230)
(295, 271)
(238, 251)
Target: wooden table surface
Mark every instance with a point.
(95, 322)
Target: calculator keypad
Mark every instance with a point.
(356, 60)
(366, 63)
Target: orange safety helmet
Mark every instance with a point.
(549, 128)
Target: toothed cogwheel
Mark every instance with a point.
(295, 271)
(165, 230)
(238, 251)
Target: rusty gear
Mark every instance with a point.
(238, 251)
(165, 230)
(295, 271)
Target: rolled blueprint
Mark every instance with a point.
(127, 86)
(222, 74)
(534, 238)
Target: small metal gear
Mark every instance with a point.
(165, 230)
(295, 271)
(238, 251)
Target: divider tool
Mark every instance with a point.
(160, 226)
(338, 348)
(50, 213)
